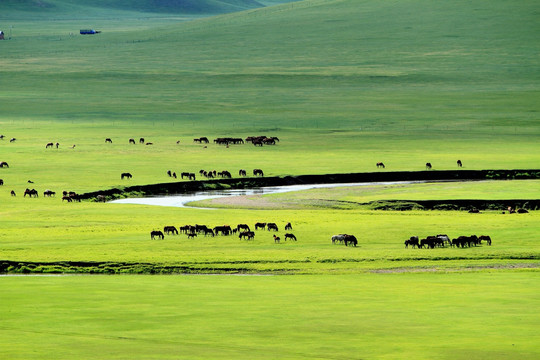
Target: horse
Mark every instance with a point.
(272, 226)
(12, 140)
(522, 211)
(428, 166)
(276, 239)
(260, 225)
(247, 235)
(258, 172)
(444, 239)
(13, 193)
(288, 226)
(242, 172)
(169, 173)
(209, 232)
(30, 193)
(174, 175)
(413, 241)
(3, 164)
(380, 165)
(225, 230)
(49, 145)
(108, 140)
(170, 229)
(487, 238)
(290, 236)
(66, 198)
(244, 227)
(156, 233)
(141, 141)
(49, 193)
(57, 145)
(126, 175)
(132, 141)
(350, 239)
(192, 235)
(338, 238)
(459, 163)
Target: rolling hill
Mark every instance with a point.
(103, 8)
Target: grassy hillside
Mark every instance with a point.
(73, 9)
(342, 64)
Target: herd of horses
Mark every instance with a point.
(345, 239)
(441, 240)
(243, 230)
(209, 174)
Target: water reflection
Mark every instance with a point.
(181, 200)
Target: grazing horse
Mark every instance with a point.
(49, 145)
(225, 230)
(428, 166)
(247, 235)
(49, 193)
(169, 173)
(258, 172)
(108, 140)
(13, 193)
(158, 234)
(260, 225)
(12, 140)
(244, 227)
(3, 164)
(209, 232)
(67, 198)
(459, 164)
(242, 172)
(30, 193)
(290, 236)
(170, 229)
(192, 235)
(380, 165)
(350, 240)
(276, 239)
(288, 226)
(413, 241)
(487, 238)
(272, 226)
(126, 175)
(338, 238)
(132, 141)
(443, 238)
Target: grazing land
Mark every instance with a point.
(344, 85)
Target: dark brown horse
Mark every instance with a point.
(132, 141)
(126, 175)
(272, 226)
(428, 166)
(258, 172)
(108, 140)
(380, 165)
(247, 235)
(290, 236)
(158, 234)
(288, 226)
(3, 164)
(459, 164)
(260, 225)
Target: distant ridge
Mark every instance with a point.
(147, 6)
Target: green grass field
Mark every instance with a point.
(344, 84)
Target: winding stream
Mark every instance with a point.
(182, 200)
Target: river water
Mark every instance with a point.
(181, 200)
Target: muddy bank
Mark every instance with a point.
(182, 187)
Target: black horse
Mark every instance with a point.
(290, 236)
(350, 240)
(288, 226)
(428, 166)
(258, 172)
(380, 165)
(158, 234)
(126, 175)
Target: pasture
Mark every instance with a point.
(344, 85)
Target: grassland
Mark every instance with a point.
(343, 84)
(425, 316)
